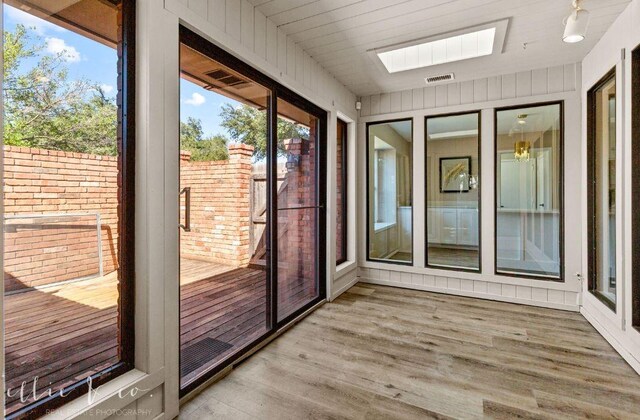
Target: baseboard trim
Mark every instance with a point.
(466, 293)
(344, 288)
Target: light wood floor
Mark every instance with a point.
(380, 352)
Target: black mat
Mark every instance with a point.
(199, 353)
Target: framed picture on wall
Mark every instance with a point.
(454, 174)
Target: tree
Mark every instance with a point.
(44, 109)
(249, 126)
(201, 148)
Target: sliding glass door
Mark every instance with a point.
(223, 265)
(251, 208)
(298, 208)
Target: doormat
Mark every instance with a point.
(199, 353)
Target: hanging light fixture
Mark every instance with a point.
(522, 151)
(575, 26)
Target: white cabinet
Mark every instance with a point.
(452, 226)
(467, 227)
(433, 225)
(448, 226)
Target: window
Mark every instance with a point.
(601, 164)
(529, 193)
(453, 194)
(341, 192)
(635, 186)
(68, 172)
(389, 214)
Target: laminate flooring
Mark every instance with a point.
(382, 352)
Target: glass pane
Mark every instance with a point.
(297, 208)
(528, 190)
(635, 187)
(62, 196)
(223, 247)
(453, 228)
(603, 172)
(341, 192)
(389, 189)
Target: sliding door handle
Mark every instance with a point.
(187, 209)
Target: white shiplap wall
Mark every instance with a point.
(508, 86)
(485, 94)
(240, 28)
(616, 327)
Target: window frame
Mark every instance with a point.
(368, 209)
(635, 188)
(426, 198)
(591, 193)
(126, 67)
(344, 192)
(562, 272)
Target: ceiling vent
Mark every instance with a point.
(439, 79)
(227, 79)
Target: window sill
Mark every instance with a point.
(345, 268)
(111, 397)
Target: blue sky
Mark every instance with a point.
(95, 62)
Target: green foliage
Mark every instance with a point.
(43, 109)
(201, 148)
(249, 126)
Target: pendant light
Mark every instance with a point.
(576, 24)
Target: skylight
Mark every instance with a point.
(446, 50)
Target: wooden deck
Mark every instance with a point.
(62, 334)
(231, 309)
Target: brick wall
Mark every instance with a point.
(220, 207)
(44, 251)
(41, 251)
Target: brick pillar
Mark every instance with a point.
(240, 165)
(185, 156)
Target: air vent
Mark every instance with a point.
(439, 79)
(227, 79)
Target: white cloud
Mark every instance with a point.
(31, 21)
(195, 100)
(58, 46)
(106, 88)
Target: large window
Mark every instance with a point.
(390, 216)
(601, 164)
(453, 196)
(635, 186)
(68, 199)
(341, 192)
(528, 198)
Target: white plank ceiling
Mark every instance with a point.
(338, 34)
